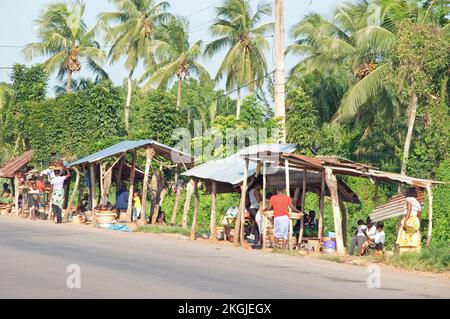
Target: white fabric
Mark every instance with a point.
(281, 227)
(58, 182)
(380, 237)
(253, 201)
(415, 206)
(361, 230)
(33, 191)
(372, 232)
(232, 211)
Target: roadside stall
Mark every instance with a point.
(118, 164)
(320, 174)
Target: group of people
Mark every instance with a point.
(368, 236)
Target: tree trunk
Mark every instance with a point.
(430, 215)
(412, 109)
(238, 103)
(93, 188)
(69, 82)
(333, 187)
(173, 219)
(180, 82)
(321, 207)
(149, 154)
(75, 188)
(187, 203)
(128, 104)
(213, 212)
(344, 221)
(194, 220)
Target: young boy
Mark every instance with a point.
(377, 243)
(137, 205)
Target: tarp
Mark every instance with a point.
(165, 151)
(231, 169)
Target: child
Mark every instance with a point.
(377, 243)
(137, 205)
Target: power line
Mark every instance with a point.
(203, 9)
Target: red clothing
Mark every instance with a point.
(40, 185)
(280, 205)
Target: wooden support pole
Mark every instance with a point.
(240, 218)
(213, 211)
(194, 220)
(119, 173)
(187, 203)
(131, 189)
(159, 192)
(149, 154)
(331, 181)
(102, 184)
(321, 208)
(344, 221)
(178, 189)
(302, 221)
(75, 188)
(265, 219)
(288, 193)
(93, 188)
(375, 195)
(430, 215)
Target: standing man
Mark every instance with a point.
(280, 204)
(57, 190)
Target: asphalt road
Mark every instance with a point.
(34, 257)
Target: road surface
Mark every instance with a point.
(35, 257)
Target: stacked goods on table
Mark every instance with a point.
(329, 243)
(5, 209)
(104, 218)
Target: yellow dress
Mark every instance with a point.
(409, 240)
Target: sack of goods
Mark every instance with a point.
(56, 165)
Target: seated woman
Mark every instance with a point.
(377, 243)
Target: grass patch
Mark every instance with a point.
(429, 259)
(158, 229)
(332, 258)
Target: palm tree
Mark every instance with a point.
(129, 30)
(66, 40)
(174, 57)
(77, 85)
(239, 29)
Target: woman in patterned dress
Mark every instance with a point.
(409, 237)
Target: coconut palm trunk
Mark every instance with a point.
(238, 103)
(412, 109)
(128, 103)
(180, 86)
(69, 82)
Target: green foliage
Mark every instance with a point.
(73, 125)
(441, 204)
(301, 120)
(158, 117)
(429, 259)
(29, 84)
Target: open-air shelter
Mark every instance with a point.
(113, 161)
(326, 171)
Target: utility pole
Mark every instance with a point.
(280, 104)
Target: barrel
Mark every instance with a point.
(105, 219)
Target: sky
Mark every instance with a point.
(17, 28)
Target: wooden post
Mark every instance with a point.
(149, 154)
(265, 219)
(102, 184)
(119, 173)
(131, 189)
(194, 220)
(240, 218)
(333, 187)
(187, 203)
(375, 195)
(159, 191)
(321, 207)
(213, 211)
(93, 189)
(288, 193)
(302, 221)
(344, 221)
(430, 215)
(178, 189)
(75, 188)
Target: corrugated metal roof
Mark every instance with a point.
(167, 152)
(14, 165)
(395, 207)
(231, 169)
